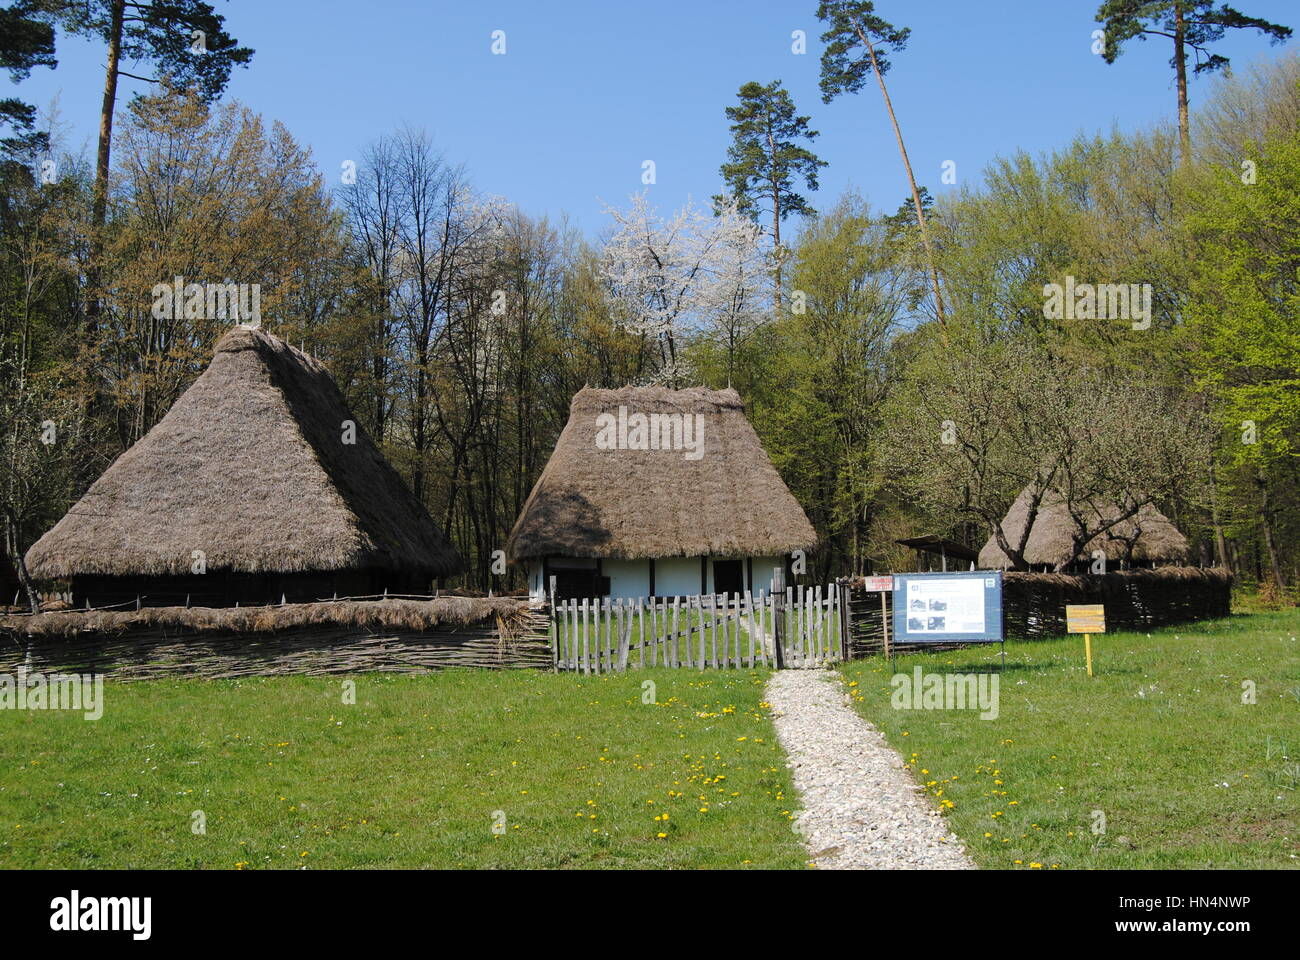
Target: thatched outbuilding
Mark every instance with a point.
(1147, 539)
(258, 484)
(657, 492)
(932, 550)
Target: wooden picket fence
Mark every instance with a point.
(804, 627)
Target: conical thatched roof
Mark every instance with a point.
(630, 503)
(249, 467)
(1154, 538)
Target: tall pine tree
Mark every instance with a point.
(765, 159)
(25, 42)
(184, 41)
(858, 43)
(1188, 23)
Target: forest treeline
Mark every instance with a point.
(459, 327)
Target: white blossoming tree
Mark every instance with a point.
(696, 273)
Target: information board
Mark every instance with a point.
(944, 607)
(1085, 618)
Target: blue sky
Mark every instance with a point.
(588, 90)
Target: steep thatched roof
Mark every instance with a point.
(1152, 536)
(592, 502)
(249, 467)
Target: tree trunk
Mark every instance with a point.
(1180, 69)
(911, 179)
(1220, 543)
(14, 550)
(1270, 537)
(776, 217)
(29, 587)
(99, 201)
(1013, 554)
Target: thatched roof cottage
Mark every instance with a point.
(257, 484)
(657, 492)
(1148, 539)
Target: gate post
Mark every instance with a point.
(778, 615)
(846, 646)
(555, 631)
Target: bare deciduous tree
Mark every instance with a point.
(977, 422)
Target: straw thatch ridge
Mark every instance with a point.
(373, 615)
(248, 466)
(1149, 537)
(632, 504)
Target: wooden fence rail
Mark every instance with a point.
(803, 627)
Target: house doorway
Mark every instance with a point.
(728, 576)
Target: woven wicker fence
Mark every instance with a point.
(1034, 603)
(311, 639)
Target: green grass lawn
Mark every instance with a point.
(1185, 774)
(582, 772)
(529, 769)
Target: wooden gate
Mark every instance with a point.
(801, 628)
(812, 626)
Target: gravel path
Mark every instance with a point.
(861, 808)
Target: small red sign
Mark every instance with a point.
(878, 584)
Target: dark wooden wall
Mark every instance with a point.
(217, 589)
